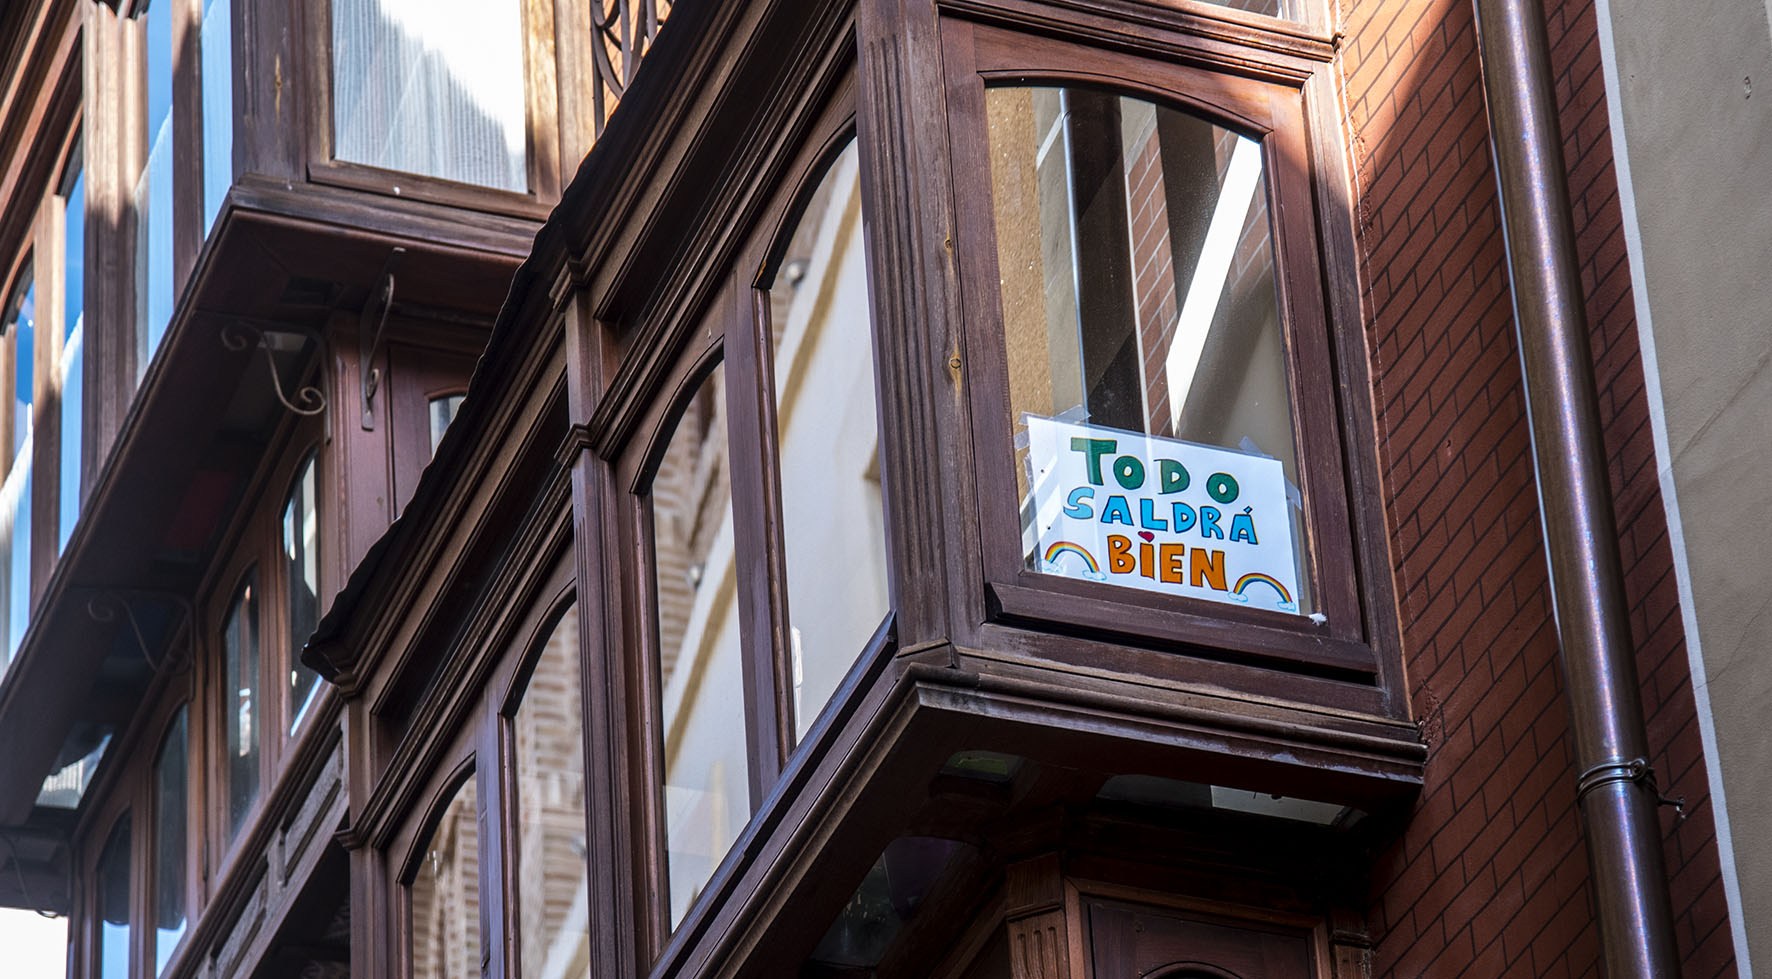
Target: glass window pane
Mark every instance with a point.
(218, 106)
(64, 787)
(432, 87)
(113, 904)
(240, 705)
(153, 193)
(1147, 364)
(443, 412)
(15, 491)
(171, 777)
(827, 426)
(553, 897)
(301, 563)
(73, 360)
(444, 896)
(706, 769)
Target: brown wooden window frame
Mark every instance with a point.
(544, 122)
(254, 549)
(1261, 96)
(124, 794)
(482, 747)
(733, 331)
(39, 262)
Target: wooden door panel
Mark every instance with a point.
(1132, 941)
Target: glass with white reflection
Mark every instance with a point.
(15, 491)
(432, 87)
(1138, 279)
(153, 193)
(242, 716)
(301, 576)
(700, 670)
(553, 896)
(72, 368)
(443, 899)
(827, 427)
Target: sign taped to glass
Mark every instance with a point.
(1160, 515)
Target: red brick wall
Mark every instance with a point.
(1490, 877)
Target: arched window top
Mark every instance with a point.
(443, 888)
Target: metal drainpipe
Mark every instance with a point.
(1616, 789)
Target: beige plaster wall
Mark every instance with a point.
(1690, 92)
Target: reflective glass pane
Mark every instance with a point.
(701, 676)
(171, 778)
(15, 491)
(218, 105)
(78, 762)
(153, 192)
(73, 360)
(240, 705)
(827, 425)
(431, 87)
(548, 734)
(442, 413)
(1147, 365)
(301, 574)
(444, 896)
(113, 904)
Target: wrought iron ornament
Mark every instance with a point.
(625, 31)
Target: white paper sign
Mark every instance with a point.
(1160, 515)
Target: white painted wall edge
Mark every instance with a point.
(1633, 242)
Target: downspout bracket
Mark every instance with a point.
(1637, 771)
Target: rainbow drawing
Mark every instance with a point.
(1060, 548)
(1256, 577)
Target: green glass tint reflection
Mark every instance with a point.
(700, 672)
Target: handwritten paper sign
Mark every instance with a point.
(1160, 515)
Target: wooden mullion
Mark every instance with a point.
(645, 779)
(187, 143)
(110, 344)
(757, 537)
(494, 792)
(542, 100)
(604, 669)
(47, 268)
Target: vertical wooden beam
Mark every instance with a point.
(1034, 919)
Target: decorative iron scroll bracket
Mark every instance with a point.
(1636, 771)
(233, 337)
(105, 606)
(622, 33)
(370, 325)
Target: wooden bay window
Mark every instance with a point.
(1158, 401)
(759, 515)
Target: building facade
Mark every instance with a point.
(978, 488)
